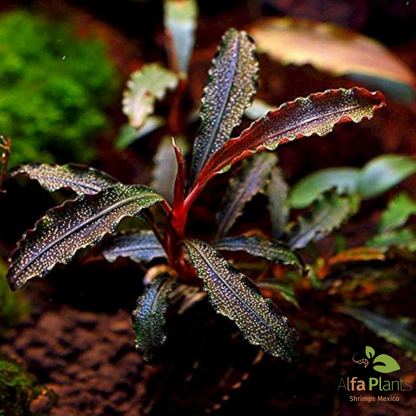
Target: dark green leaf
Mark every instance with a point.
(231, 86)
(277, 252)
(329, 213)
(383, 173)
(284, 289)
(83, 180)
(243, 186)
(399, 210)
(149, 316)
(140, 246)
(310, 188)
(402, 238)
(391, 330)
(75, 225)
(278, 202)
(180, 24)
(148, 84)
(236, 297)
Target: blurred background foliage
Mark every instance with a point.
(54, 89)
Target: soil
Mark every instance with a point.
(87, 357)
(79, 340)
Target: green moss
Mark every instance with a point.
(12, 305)
(54, 88)
(18, 389)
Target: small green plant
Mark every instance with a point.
(54, 89)
(102, 202)
(19, 391)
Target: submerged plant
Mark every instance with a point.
(102, 202)
(53, 93)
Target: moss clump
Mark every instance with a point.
(20, 394)
(54, 88)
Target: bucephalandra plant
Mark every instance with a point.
(102, 202)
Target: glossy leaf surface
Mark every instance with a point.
(142, 246)
(308, 189)
(383, 173)
(83, 180)
(391, 330)
(316, 114)
(145, 86)
(75, 225)
(231, 86)
(376, 177)
(236, 297)
(180, 24)
(335, 50)
(329, 213)
(149, 316)
(243, 187)
(277, 252)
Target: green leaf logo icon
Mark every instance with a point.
(383, 363)
(370, 352)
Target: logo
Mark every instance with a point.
(383, 363)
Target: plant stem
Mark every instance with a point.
(176, 118)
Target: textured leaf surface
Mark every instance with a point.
(310, 188)
(329, 213)
(149, 316)
(383, 173)
(236, 297)
(243, 186)
(140, 246)
(180, 24)
(398, 211)
(231, 86)
(402, 238)
(277, 252)
(336, 50)
(82, 180)
(279, 207)
(316, 114)
(145, 86)
(391, 330)
(75, 225)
